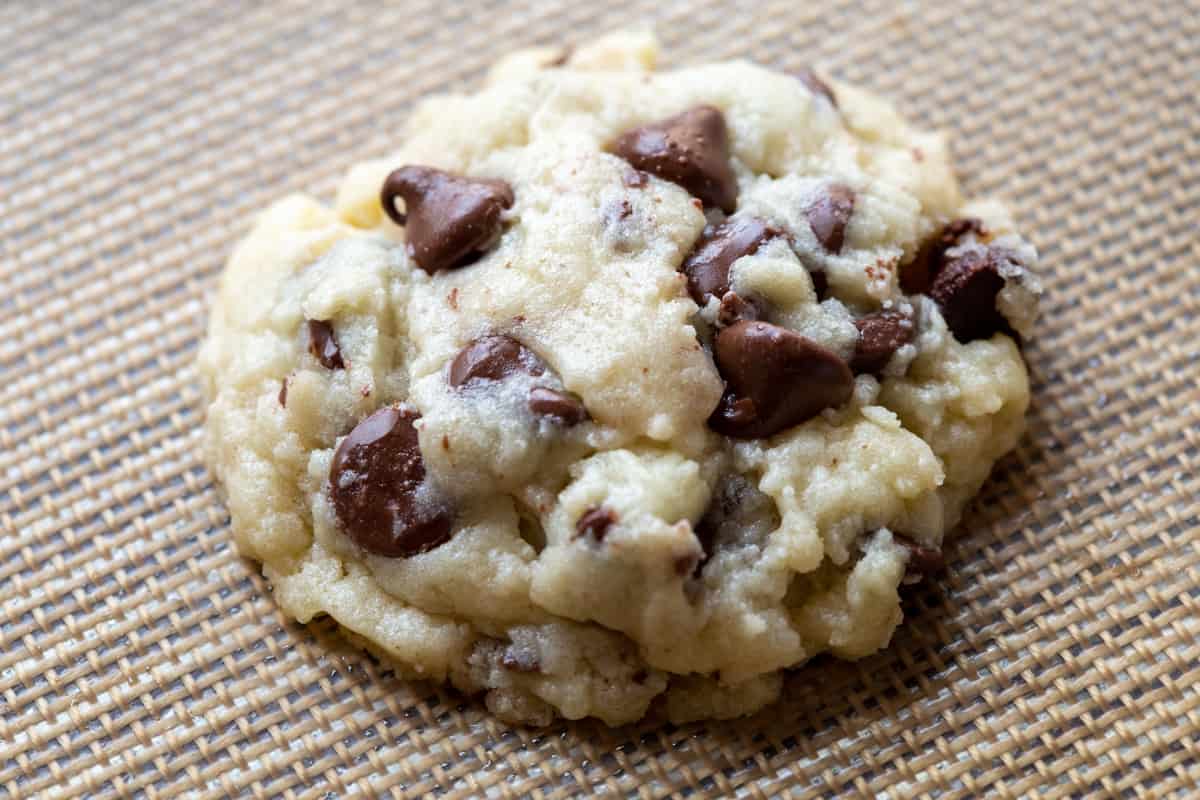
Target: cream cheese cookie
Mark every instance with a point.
(614, 387)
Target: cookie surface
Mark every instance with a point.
(615, 387)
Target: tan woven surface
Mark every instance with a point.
(139, 655)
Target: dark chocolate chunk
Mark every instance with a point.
(323, 344)
(829, 214)
(595, 522)
(690, 149)
(376, 484)
(560, 407)
(283, 393)
(774, 379)
(707, 268)
(493, 358)
(965, 290)
(816, 85)
(879, 336)
(922, 560)
(449, 219)
(734, 307)
(918, 274)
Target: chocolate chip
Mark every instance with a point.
(707, 267)
(829, 214)
(560, 407)
(493, 358)
(879, 336)
(449, 219)
(323, 344)
(690, 149)
(734, 307)
(918, 274)
(922, 561)
(496, 357)
(283, 392)
(816, 85)
(965, 290)
(733, 412)
(376, 484)
(595, 522)
(774, 379)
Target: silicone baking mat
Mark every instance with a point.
(140, 656)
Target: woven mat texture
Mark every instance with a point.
(140, 656)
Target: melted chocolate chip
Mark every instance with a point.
(707, 268)
(734, 307)
(737, 514)
(965, 290)
(283, 392)
(560, 407)
(816, 85)
(493, 358)
(496, 357)
(690, 149)
(922, 560)
(829, 214)
(879, 336)
(775, 379)
(918, 274)
(323, 344)
(595, 522)
(723, 507)
(449, 219)
(375, 482)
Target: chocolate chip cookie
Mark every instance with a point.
(614, 389)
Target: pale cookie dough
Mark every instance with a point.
(614, 387)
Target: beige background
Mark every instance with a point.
(139, 655)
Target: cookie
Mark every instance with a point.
(615, 389)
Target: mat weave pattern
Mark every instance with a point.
(139, 656)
